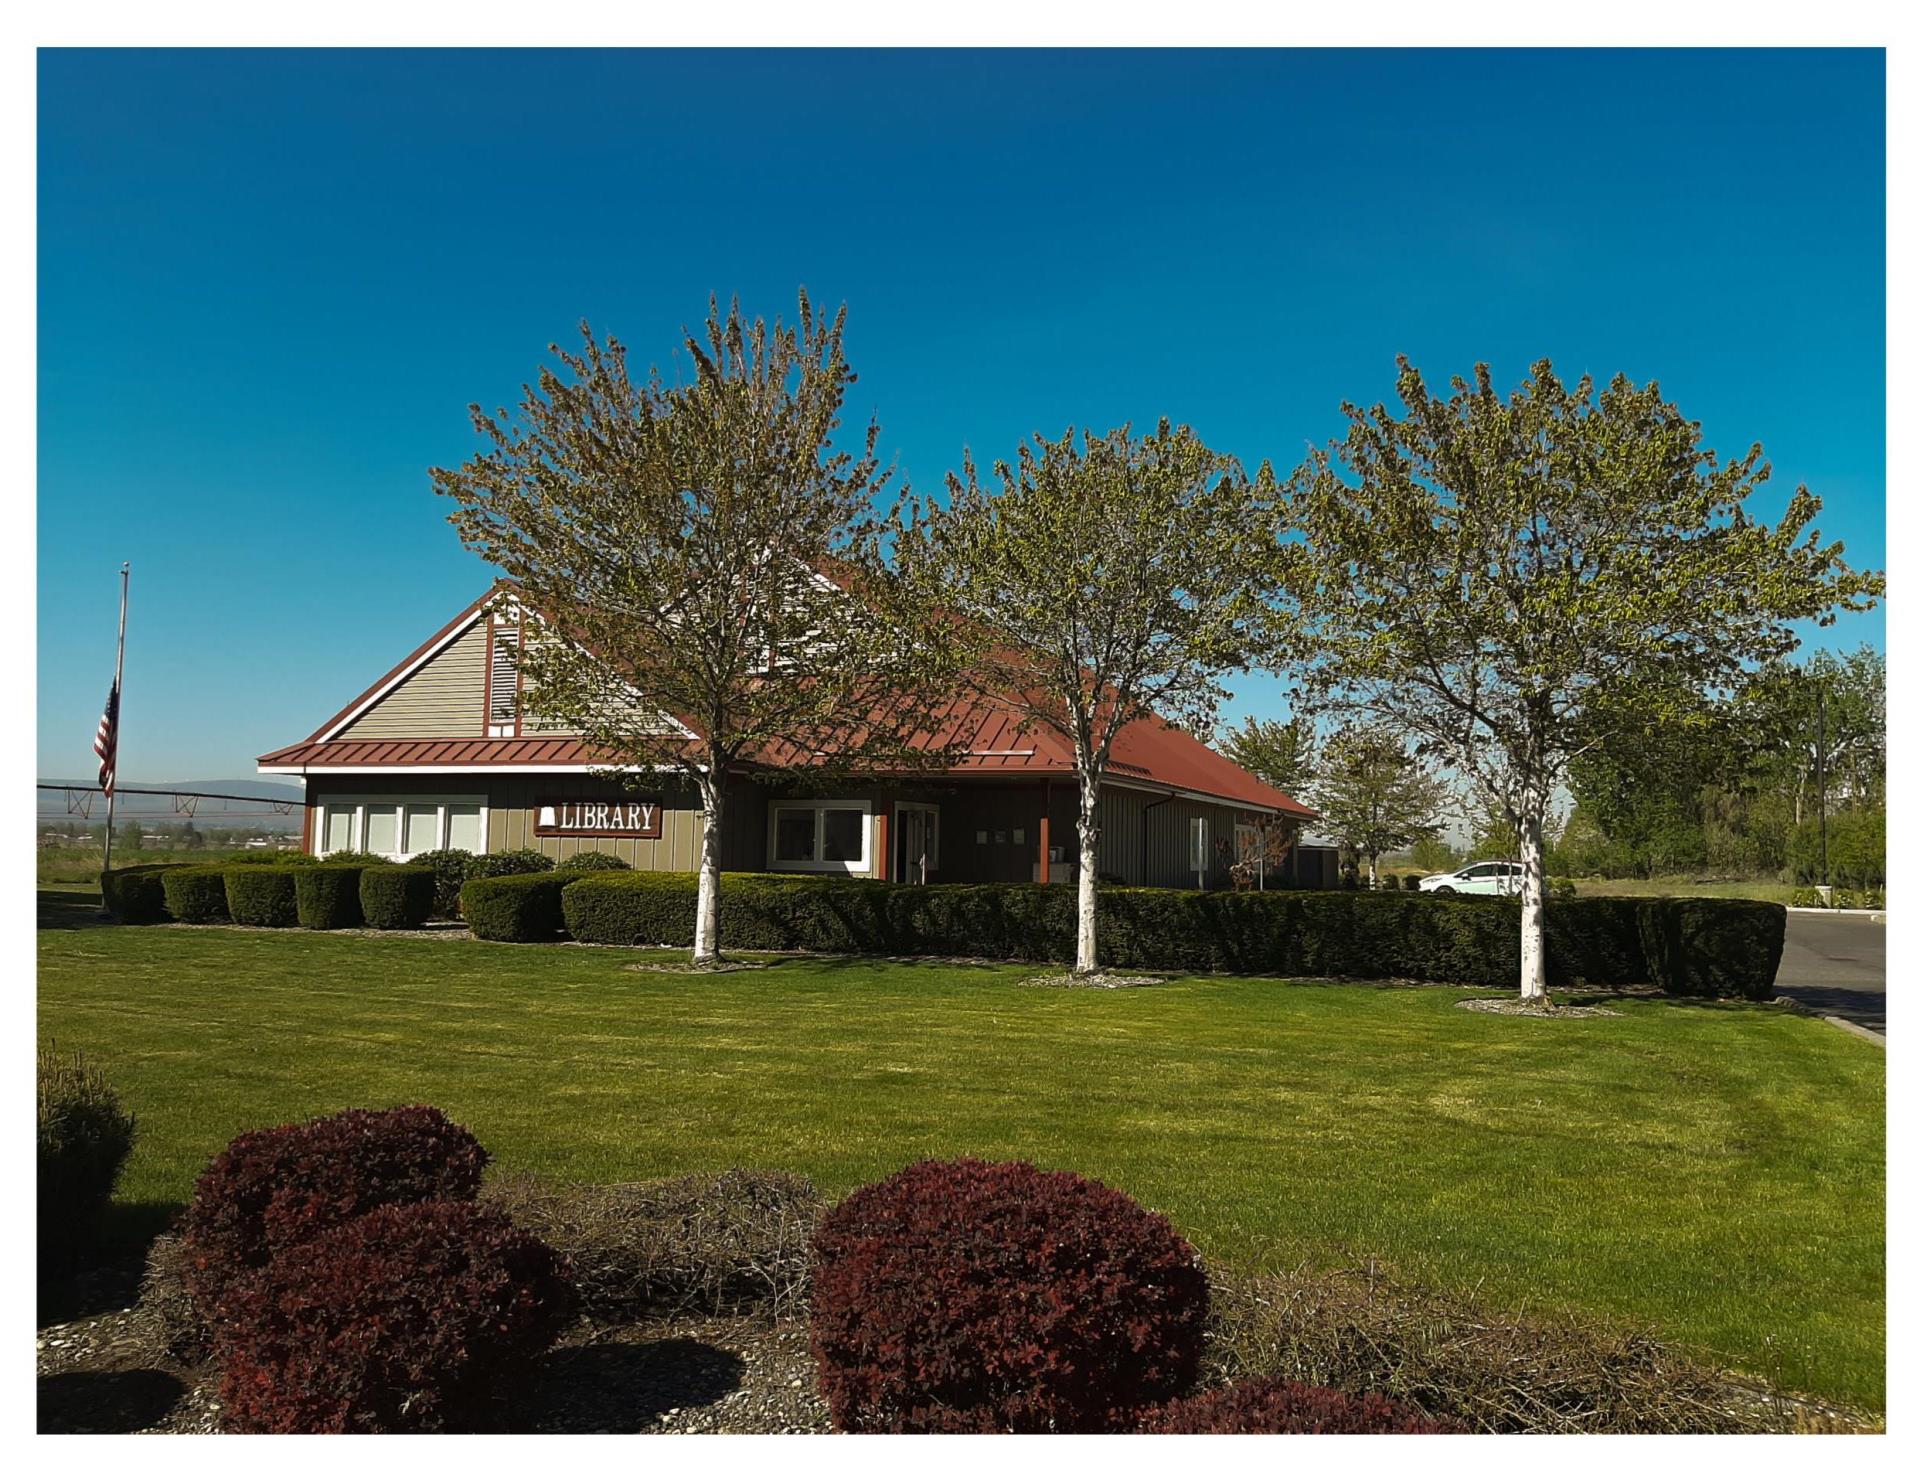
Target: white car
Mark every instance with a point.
(1481, 879)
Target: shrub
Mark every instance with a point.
(1321, 934)
(196, 893)
(1562, 886)
(396, 896)
(1266, 1404)
(355, 858)
(328, 895)
(275, 1188)
(136, 894)
(83, 1137)
(1715, 949)
(971, 1297)
(450, 868)
(1448, 1355)
(172, 1320)
(411, 1318)
(711, 1244)
(270, 858)
(1411, 881)
(509, 863)
(586, 861)
(261, 896)
(515, 909)
(1389, 882)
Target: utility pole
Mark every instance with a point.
(1820, 768)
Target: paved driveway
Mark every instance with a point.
(1837, 965)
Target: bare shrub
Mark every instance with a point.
(174, 1325)
(1505, 1373)
(709, 1243)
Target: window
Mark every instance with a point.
(401, 826)
(820, 835)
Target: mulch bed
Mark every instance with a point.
(1097, 980)
(1536, 1011)
(108, 1374)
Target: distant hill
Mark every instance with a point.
(224, 813)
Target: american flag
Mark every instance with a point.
(106, 739)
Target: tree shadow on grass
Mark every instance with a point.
(70, 909)
(93, 1277)
(106, 1401)
(626, 1386)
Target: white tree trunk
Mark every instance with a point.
(1086, 953)
(1533, 894)
(706, 920)
(1373, 873)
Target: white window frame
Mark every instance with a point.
(396, 804)
(819, 806)
(894, 836)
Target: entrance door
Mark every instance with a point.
(917, 851)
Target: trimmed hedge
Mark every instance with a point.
(135, 894)
(450, 868)
(509, 863)
(593, 860)
(196, 893)
(396, 896)
(261, 896)
(328, 896)
(516, 909)
(1684, 945)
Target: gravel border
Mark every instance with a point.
(1100, 980)
(1538, 1012)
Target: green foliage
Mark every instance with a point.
(261, 896)
(1455, 940)
(509, 863)
(1856, 849)
(84, 1137)
(357, 858)
(1374, 796)
(450, 871)
(1562, 886)
(594, 860)
(273, 858)
(1506, 578)
(1871, 897)
(396, 896)
(1281, 754)
(516, 909)
(1716, 948)
(196, 893)
(135, 894)
(328, 895)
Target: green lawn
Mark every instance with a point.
(1683, 886)
(1715, 1173)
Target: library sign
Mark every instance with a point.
(624, 819)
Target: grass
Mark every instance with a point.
(1716, 1174)
(1684, 886)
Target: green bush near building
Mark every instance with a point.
(1687, 946)
(136, 894)
(196, 893)
(396, 897)
(261, 896)
(328, 895)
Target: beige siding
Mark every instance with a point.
(510, 821)
(443, 698)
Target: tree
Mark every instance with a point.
(697, 566)
(1476, 570)
(1375, 796)
(1280, 754)
(1107, 579)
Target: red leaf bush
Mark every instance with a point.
(1266, 1404)
(412, 1318)
(277, 1188)
(972, 1297)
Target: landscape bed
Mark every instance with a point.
(1274, 1122)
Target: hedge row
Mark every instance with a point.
(311, 894)
(1686, 946)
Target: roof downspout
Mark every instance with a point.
(1143, 831)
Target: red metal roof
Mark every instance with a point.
(986, 740)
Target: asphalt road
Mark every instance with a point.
(1837, 965)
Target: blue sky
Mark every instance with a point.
(271, 282)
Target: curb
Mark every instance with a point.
(1879, 914)
(1877, 1037)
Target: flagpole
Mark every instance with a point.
(119, 661)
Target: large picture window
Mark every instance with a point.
(820, 835)
(401, 826)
